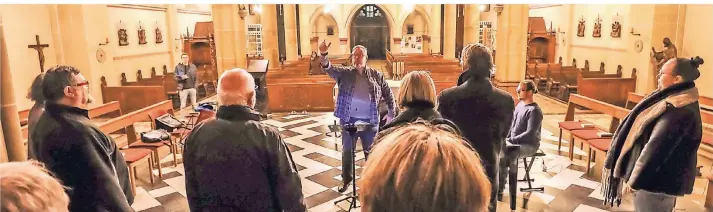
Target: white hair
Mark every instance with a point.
(366, 55)
(233, 97)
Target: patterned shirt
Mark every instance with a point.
(346, 79)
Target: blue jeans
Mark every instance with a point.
(367, 138)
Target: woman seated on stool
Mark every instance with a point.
(524, 137)
(416, 99)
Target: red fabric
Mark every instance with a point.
(134, 154)
(586, 134)
(574, 125)
(601, 144)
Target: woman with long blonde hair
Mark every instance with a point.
(424, 166)
(416, 99)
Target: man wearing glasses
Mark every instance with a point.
(523, 140)
(82, 157)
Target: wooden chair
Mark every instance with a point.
(134, 157)
(153, 115)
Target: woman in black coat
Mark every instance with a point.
(416, 99)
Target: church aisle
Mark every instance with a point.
(318, 161)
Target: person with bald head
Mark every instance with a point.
(234, 162)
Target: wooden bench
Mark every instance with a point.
(301, 93)
(132, 97)
(586, 132)
(610, 90)
(125, 123)
(24, 115)
(111, 109)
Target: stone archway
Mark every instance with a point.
(370, 28)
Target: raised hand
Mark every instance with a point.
(324, 47)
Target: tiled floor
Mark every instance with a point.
(567, 187)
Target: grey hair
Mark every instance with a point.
(366, 53)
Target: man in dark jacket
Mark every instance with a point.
(653, 151)
(482, 112)
(236, 163)
(82, 157)
(187, 82)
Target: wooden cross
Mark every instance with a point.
(40, 53)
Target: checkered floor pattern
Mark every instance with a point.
(318, 157)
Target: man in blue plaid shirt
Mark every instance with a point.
(361, 88)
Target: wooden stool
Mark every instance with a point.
(599, 144)
(569, 126)
(586, 134)
(154, 149)
(134, 157)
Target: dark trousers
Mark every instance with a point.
(367, 138)
(508, 165)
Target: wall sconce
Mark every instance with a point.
(484, 7)
(105, 42)
(242, 11)
(499, 8)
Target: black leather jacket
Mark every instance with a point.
(236, 163)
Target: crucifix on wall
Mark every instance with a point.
(40, 53)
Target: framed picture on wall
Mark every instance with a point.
(409, 29)
(330, 30)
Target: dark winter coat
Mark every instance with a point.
(236, 163)
(83, 158)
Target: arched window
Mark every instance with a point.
(370, 11)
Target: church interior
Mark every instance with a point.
(590, 62)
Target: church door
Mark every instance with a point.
(370, 29)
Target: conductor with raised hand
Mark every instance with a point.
(361, 88)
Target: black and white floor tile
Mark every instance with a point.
(318, 157)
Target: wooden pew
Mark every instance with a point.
(127, 120)
(302, 93)
(586, 136)
(111, 109)
(611, 90)
(133, 97)
(24, 115)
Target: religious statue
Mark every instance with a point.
(597, 32)
(123, 37)
(159, 37)
(142, 35)
(616, 30)
(664, 55)
(580, 28)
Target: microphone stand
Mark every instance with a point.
(352, 129)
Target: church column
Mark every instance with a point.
(268, 19)
(472, 24)
(449, 34)
(90, 24)
(669, 21)
(290, 31)
(305, 31)
(511, 44)
(56, 33)
(12, 136)
(435, 29)
(168, 36)
(229, 37)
